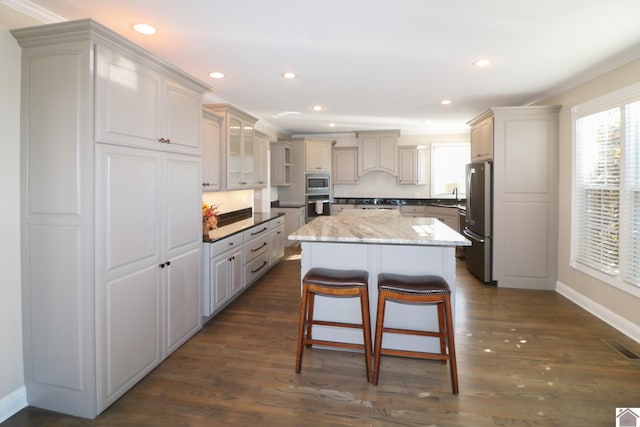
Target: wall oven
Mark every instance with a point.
(318, 183)
(317, 205)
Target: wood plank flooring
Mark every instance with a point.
(525, 358)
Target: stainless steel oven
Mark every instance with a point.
(318, 183)
(317, 205)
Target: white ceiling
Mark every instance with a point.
(373, 64)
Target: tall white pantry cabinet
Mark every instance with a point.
(111, 193)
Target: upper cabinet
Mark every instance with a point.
(237, 147)
(137, 105)
(378, 151)
(345, 165)
(261, 162)
(280, 164)
(481, 139)
(317, 155)
(211, 128)
(412, 165)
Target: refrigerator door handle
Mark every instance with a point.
(473, 236)
(470, 174)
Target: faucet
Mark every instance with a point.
(455, 193)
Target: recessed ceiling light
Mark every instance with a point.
(480, 63)
(144, 29)
(332, 125)
(289, 75)
(317, 108)
(216, 75)
(445, 102)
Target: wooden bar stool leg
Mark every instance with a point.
(310, 304)
(301, 327)
(442, 331)
(452, 346)
(382, 299)
(366, 325)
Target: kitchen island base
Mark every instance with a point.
(380, 258)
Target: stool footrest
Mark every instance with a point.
(414, 354)
(336, 324)
(410, 332)
(334, 344)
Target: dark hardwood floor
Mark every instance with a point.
(525, 358)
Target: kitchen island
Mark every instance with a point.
(379, 241)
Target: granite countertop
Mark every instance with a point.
(239, 226)
(381, 227)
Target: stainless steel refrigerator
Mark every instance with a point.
(478, 220)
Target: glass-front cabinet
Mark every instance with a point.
(238, 130)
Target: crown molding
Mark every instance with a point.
(33, 11)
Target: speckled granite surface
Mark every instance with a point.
(381, 227)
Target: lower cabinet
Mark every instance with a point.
(450, 216)
(294, 218)
(232, 264)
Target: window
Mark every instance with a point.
(606, 189)
(448, 169)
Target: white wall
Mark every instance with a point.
(611, 304)
(11, 366)
(382, 184)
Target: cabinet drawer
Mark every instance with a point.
(256, 231)
(413, 209)
(256, 268)
(256, 247)
(277, 222)
(226, 244)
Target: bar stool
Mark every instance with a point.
(426, 289)
(336, 283)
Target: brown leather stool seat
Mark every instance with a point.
(425, 289)
(334, 283)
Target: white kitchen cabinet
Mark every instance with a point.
(98, 220)
(481, 136)
(345, 165)
(413, 211)
(276, 240)
(317, 155)
(378, 151)
(136, 105)
(450, 216)
(221, 272)
(211, 151)
(238, 147)
(294, 218)
(412, 165)
(338, 208)
(261, 161)
(525, 195)
(256, 252)
(280, 164)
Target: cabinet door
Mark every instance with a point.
(128, 253)
(183, 201)
(248, 156)
(220, 281)
(407, 173)
(388, 154)
(210, 153)
(181, 118)
(367, 154)
(235, 271)
(280, 165)
(128, 98)
(276, 245)
(182, 299)
(482, 140)
(234, 153)
(261, 167)
(318, 156)
(345, 165)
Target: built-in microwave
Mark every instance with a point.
(318, 183)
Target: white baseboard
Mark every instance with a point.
(13, 403)
(628, 328)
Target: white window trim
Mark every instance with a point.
(614, 99)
